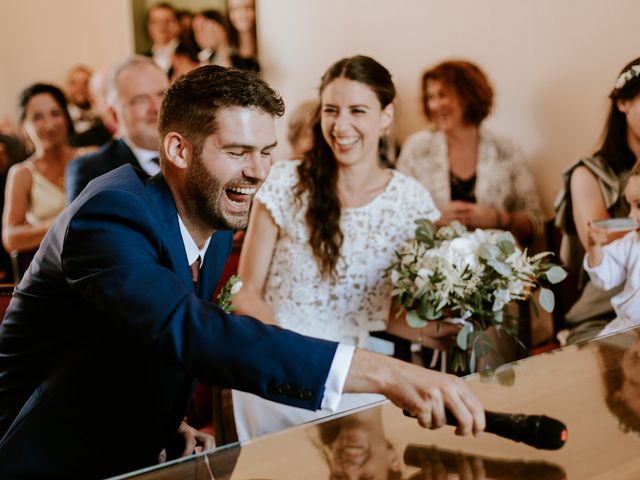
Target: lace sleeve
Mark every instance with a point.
(277, 191)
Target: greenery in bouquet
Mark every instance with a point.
(468, 277)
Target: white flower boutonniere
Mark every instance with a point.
(230, 289)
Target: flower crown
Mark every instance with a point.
(628, 75)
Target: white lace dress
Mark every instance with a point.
(303, 301)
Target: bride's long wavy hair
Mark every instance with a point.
(318, 171)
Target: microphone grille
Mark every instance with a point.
(551, 433)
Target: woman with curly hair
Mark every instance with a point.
(324, 230)
(476, 177)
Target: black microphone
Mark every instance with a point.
(538, 431)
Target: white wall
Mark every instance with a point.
(552, 62)
(42, 39)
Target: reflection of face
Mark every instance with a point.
(352, 120)
(444, 106)
(45, 122)
(632, 194)
(140, 90)
(78, 88)
(242, 14)
(162, 25)
(234, 162)
(360, 453)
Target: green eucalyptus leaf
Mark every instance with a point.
(463, 337)
(488, 251)
(500, 267)
(506, 247)
(414, 320)
(546, 300)
(556, 274)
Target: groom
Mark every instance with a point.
(111, 324)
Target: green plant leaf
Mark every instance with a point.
(463, 337)
(500, 267)
(556, 274)
(414, 320)
(472, 362)
(488, 251)
(547, 300)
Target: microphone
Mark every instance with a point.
(537, 431)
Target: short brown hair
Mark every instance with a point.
(470, 84)
(190, 105)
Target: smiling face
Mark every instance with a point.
(139, 95)
(242, 14)
(45, 122)
(352, 121)
(444, 106)
(162, 25)
(223, 178)
(359, 452)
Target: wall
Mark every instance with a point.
(552, 63)
(42, 39)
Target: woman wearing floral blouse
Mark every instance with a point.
(473, 175)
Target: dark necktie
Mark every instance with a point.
(155, 160)
(195, 271)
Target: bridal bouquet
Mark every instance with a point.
(468, 278)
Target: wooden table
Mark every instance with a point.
(568, 384)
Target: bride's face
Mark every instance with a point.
(352, 121)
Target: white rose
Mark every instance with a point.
(236, 287)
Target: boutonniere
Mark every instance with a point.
(230, 289)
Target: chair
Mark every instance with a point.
(20, 263)
(6, 291)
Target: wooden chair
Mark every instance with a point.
(20, 263)
(6, 291)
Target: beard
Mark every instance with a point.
(207, 195)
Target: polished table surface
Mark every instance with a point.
(594, 388)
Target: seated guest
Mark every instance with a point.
(94, 127)
(134, 93)
(79, 98)
(164, 30)
(618, 262)
(300, 128)
(103, 339)
(211, 35)
(593, 191)
(475, 176)
(241, 23)
(184, 60)
(34, 194)
(324, 230)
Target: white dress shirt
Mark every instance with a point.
(146, 158)
(341, 363)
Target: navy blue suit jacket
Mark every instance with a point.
(105, 334)
(85, 168)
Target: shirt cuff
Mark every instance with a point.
(337, 376)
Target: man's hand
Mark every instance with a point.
(421, 392)
(193, 441)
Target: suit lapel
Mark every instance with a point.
(168, 216)
(213, 264)
(125, 155)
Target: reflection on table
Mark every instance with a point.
(594, 388)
